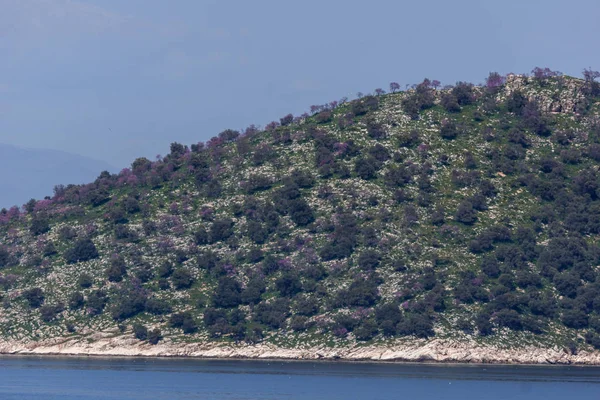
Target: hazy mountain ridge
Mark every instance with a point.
(35, 172)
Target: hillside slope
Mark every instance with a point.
(461, 215)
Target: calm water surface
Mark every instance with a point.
(174, 379)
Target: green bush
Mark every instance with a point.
(228, 293)
(157, 306)
(34, 297)
(185, 321)
(288, 284)
(140, 331)
(49, 312)
(85, 280)
(96, 302)
(182, 279)
(76, 301)
(83, 250)
(272, 314)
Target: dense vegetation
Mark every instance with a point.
(466, 210)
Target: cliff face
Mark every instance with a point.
(443, 224)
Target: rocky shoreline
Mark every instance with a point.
(436, 351)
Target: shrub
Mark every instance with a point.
(369, 260)
(157, 306)
(182, 279)
(361, 293)
(263, 154)
(128, 302)
(185, 321)
(273, 313)
(140, 331)
(419, 325)
(288, 284)
(201, 236)
(212, 316)
(96, 302)
(545, 306)
(364, 105)
(34, 297)
(49, 312)
(516, 102)
(5, 257)
(593, 340)
(302, 179)
(306, 306)
(450, 103)
(39, 225)
(576, 319)
(449, 130)
(229, 135)
(255, 255)
(221, 230)
(257, 183)
(463, 92)
(117, 269)
(165, 269)
(300, 212)
(76, 301)
(483, 324)
(323, 117)
(131, 205)
(164, 284)
(227, 293)
(388, 316)
(366, 330)
(83, 250)
(422, 98)
(509, 319)
(49, 249)
(299, 323)
(253, 292)
(567, 283)
(85, 280)
(286, 120)
(465, 213)
(149, 227)
(366, 168)
(122, 232)
(376, 130)
(144, 274)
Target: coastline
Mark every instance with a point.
(436, 351)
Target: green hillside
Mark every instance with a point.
(464, 211)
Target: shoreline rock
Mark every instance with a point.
(433, 351)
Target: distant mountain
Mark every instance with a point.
(33, 173)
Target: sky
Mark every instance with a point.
(115, 80)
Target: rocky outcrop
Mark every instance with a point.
(436, 350)
(560, 95)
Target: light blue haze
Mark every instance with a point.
(114, 79)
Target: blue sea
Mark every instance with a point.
(173, 379)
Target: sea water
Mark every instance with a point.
(46, 377)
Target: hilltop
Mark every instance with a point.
(416, 224)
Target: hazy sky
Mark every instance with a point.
(117, 79)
